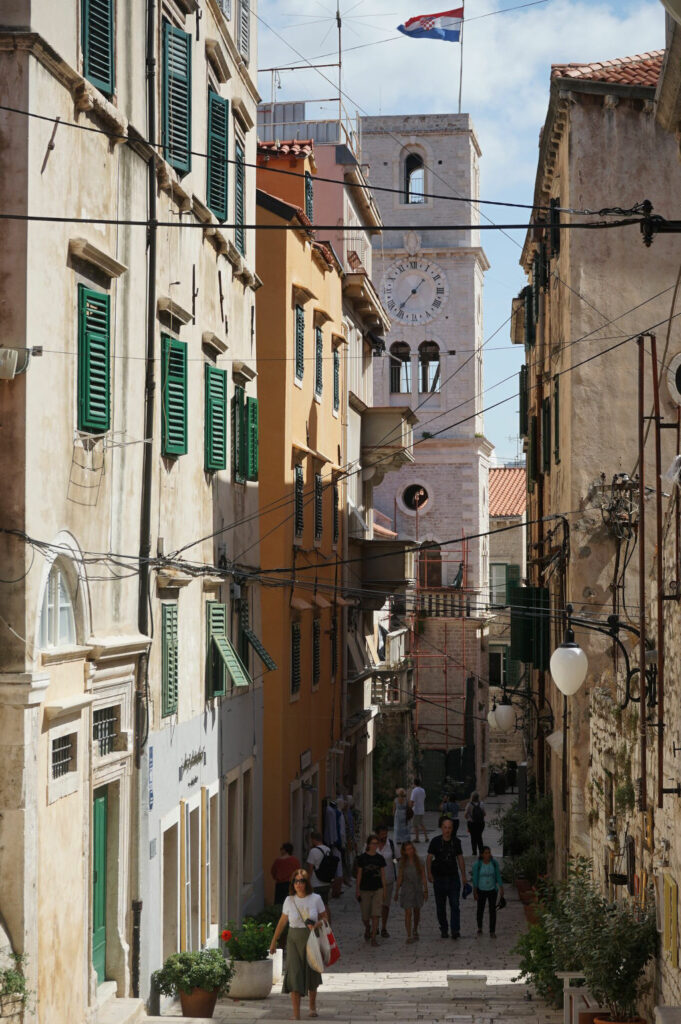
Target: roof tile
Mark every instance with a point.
(292, 147)
(507, 491)
(642, 69)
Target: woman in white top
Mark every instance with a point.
(302, 909)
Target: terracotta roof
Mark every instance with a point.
(292, 147)
(281, 207)
(507, 492)
(641, 69)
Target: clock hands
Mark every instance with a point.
(412, 292)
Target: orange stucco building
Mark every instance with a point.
(302, 494)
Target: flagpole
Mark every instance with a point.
(461, 58)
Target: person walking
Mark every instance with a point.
(282, 868)
(316, 854)
(302, 910)
(401, 816)
(386, 848)
(450, 808)
(486, 884)
(417, 802)
(446, 869)
(475, 819)
(411, 888)
(370, 891)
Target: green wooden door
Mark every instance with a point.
(99, 826)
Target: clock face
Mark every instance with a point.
(415, 290)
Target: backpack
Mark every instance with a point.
(328, 865)
(477, 815)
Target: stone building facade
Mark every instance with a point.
(127, 822)
(431, 282)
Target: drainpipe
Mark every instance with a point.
(141, 711)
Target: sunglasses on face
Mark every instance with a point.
(296, 880)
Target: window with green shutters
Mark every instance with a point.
(215, 422)
(497, 584)
(536, 285)
(556, 419)
(530, 626)
(309, 196)
(221, 658)
(252, 442)
(217, 164)
(316, 651)
(532, 451)
(318, 361)
(169, 670)
(336, 380)
(245, 437)
(554, 226)
(512, 580)
(94, 370)
(245, 29)
(336, 514)
(173, 396)
(546, 435)
(97, 19)
(300, 343)
(239, 196)
(176, 97)
(529, 315)
(298, 496)
(523, 396)
(318, 507)
(295, 658)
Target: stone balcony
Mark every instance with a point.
(387, 440)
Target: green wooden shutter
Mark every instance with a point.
(554, 226)
(98, 43)
(318, 362)
(512, 580)
(336, 380)
(514, 670)
(238, 435)
(556, 419)
(300, 343)
(532, 451)
(536, 285)
(316, 651)
(521, 624)
(541, 628)
(318, 507)
(169, 680)
(336, 515)
(298, 513)
(252, 438)
(529, 316)
(239, 197)
(218, 140)
(176, 97)
(523, 397)
(546, 435)
(173, 396)
(309, 196)
(295, 657)
(94, 395)
(215, 422)
(216, 625)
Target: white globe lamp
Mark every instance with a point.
(505, 716)
(492, 719)
(569, 665)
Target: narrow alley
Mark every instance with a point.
(399, 982)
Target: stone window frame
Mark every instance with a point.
(70, 782)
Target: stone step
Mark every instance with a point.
(121, 1011)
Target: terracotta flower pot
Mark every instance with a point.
(198, 1003)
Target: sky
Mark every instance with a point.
(506, 68)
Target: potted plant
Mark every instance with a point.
(198, 977)
(248, 949)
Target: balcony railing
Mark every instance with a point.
(445, 602)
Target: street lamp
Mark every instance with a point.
(505, 715)
(492, 719)
(569, 663)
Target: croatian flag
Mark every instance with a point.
(446, 25)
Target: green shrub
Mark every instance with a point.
(203, 968)
(249, 942)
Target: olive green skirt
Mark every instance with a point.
(299, 975)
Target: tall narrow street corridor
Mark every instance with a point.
(399, 982)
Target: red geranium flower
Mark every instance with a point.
(226, 935)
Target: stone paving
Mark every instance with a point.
(399, 983)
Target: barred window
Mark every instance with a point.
(104, 722)
(63, 755)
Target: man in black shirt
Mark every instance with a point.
(447, 871)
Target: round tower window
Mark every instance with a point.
(415, 497)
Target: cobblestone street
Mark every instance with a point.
(399, 982)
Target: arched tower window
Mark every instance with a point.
(429, 367)
(400, 368)
(57, 617)
(414, 179)
(430, 567)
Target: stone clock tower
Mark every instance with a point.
(431, 283)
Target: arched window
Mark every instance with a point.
(400, 368)
(414, 179)
(57, 619)
(429, 367)
(430, 567)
